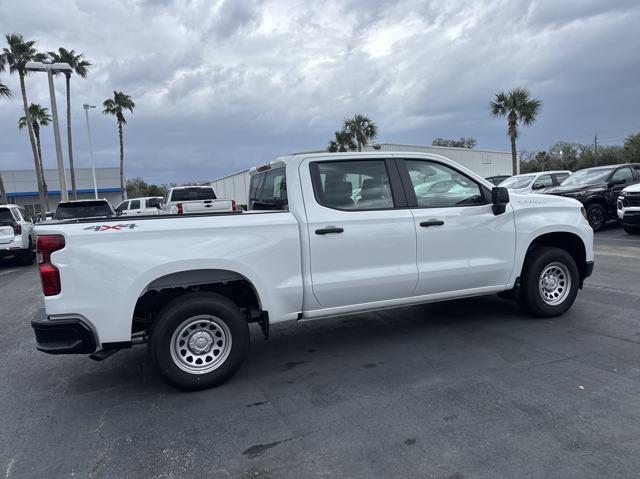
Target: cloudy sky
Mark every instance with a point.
(220, 85)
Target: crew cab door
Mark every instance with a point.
(362, 239)
(461, 244)
(619, 180)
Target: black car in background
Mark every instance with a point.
(598, 189)
(68, 210)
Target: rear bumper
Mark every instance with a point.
(63, 336)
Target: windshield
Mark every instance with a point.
(588, 176)
(519, 181)
(193, 194)
(89, 209)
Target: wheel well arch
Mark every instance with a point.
(599, 201)
(163, 289)
(570, 242)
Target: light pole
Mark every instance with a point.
(86, 107)
(50, 68)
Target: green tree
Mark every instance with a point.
(80, 66)
(39, 117)
(518, 106)
(361, 129)
(343, 141)
(632, 148)
(16, 55)
(115, 106)
(137, 188)
(464, 142)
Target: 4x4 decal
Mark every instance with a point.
(111, 227)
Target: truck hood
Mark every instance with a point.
(632, 189)
(535, 200)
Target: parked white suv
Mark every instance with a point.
(147, 206)
(629, 208)
(16, 233)
(535, 182)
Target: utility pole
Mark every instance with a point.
(595, 149)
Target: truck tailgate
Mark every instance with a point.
(206, 206)
(6, 234)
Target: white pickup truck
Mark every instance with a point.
(342, 233)
(194, 199)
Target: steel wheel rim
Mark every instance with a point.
(200, 344)
(596, 218)
(554, 283)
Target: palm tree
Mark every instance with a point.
(115, 106)
(18, 53)
(80, 66)
(39, 117)
(342, 141)
(516, 105)
(6, 93)
(361, 129)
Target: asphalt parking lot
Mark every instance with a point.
(464, 389)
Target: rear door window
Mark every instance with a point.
(352, 185)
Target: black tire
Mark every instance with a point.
(632, 230)
(214, 315)
(596, 216)
(26, 258)
(535, 298)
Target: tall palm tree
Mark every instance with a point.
(80, 66)
(343, 141)
(39, 117)
(517, 105)
(16, 55)
(362, 129)
(115, 106)
(5, 92)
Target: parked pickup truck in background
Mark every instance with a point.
(194, 199)
(190, 285)
(629, 209)
(146, 206)
(75, 209)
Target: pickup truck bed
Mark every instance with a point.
(357, 236)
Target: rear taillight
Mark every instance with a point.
(49, 274)
(17, 229)
(234, 207)
(179, 207)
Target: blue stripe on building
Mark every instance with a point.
(57, 192)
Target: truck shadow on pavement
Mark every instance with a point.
(365, 339)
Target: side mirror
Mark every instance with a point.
(499, 199)
(537, 187)
(118, 212)
(617, 182)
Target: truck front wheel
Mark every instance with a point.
(549, 282)
(199, 340)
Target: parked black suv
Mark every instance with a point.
(598, 189)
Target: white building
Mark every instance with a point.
(482, 162)
(22, 187)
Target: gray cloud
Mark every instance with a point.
(225, 84)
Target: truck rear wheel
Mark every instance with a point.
(549, 282)
(199, 340)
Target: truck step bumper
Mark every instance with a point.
(63, 336)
